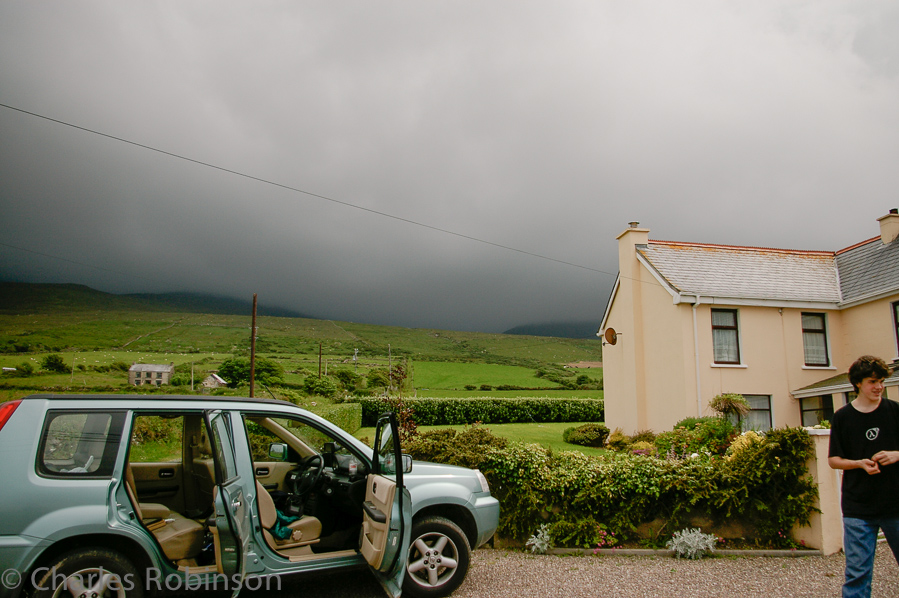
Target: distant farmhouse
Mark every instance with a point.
(689, 321)
(214, 381)
(150, 373)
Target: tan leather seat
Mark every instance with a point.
(306, 530)
(179, 537)
(203, 467)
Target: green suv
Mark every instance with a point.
(115, 495)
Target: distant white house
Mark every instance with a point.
(214, 381)
(150, 373)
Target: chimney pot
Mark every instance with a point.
(633, 224)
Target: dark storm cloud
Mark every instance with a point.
(544, 127)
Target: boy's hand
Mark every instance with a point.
(870, 466)
(886, 457)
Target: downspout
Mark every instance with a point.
(696, 359)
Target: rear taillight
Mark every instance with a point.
(6, 410)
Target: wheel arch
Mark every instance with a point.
(455, 513)
(128, 547)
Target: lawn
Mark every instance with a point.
(455, 375)
(548, 435)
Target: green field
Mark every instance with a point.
(454, 376)
(90, 329)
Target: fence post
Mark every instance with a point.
(826, 530)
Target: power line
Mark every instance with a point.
(297, 190)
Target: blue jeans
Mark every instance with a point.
(860, 544)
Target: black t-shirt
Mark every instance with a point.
(855, 435)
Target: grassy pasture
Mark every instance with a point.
(162, 332)
(455, 375)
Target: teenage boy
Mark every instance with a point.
(864, 442)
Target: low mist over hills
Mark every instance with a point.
(558, 329)
(17, 297)
(23, 298)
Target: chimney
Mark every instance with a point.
(889, 226)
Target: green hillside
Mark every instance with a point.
(73, 318)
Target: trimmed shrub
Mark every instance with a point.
(488, 410)
(594, 435)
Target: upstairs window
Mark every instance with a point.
(725, 336)
(814, 339)
(896, 322)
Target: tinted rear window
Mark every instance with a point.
(80, 443)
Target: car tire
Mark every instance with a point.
(438, 558)
(102, 572)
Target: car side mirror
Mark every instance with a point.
(407, 463)
(277, 451)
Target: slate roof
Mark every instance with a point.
(757, 273)
(151, 367)
(868, 269)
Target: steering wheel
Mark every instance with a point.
(307, 474)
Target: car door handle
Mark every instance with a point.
(374, 512)
(234, 506)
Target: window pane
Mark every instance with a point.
(812, 322)
(724, 318)
(815, 348)
(80, 443)
(759, 418)
(726, 346)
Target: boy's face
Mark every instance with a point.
(871, 388)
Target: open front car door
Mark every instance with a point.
(387, 519)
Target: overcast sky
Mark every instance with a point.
(544, 127)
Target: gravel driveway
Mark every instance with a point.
(509, 574)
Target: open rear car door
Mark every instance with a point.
(232, 515)
(387, 520)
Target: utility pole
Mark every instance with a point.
(319, 361)
(253, 351)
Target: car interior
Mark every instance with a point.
(310, 488)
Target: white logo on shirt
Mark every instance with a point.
(873, 433)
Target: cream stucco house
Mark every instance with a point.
(690, 321)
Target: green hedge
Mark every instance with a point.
(346, 416)
(763, 484)
(447, 412)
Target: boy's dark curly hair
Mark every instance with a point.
(867, 366)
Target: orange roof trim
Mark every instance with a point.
(858, 245)
(749, 248)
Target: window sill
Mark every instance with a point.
(739, 366)
(820, 367)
